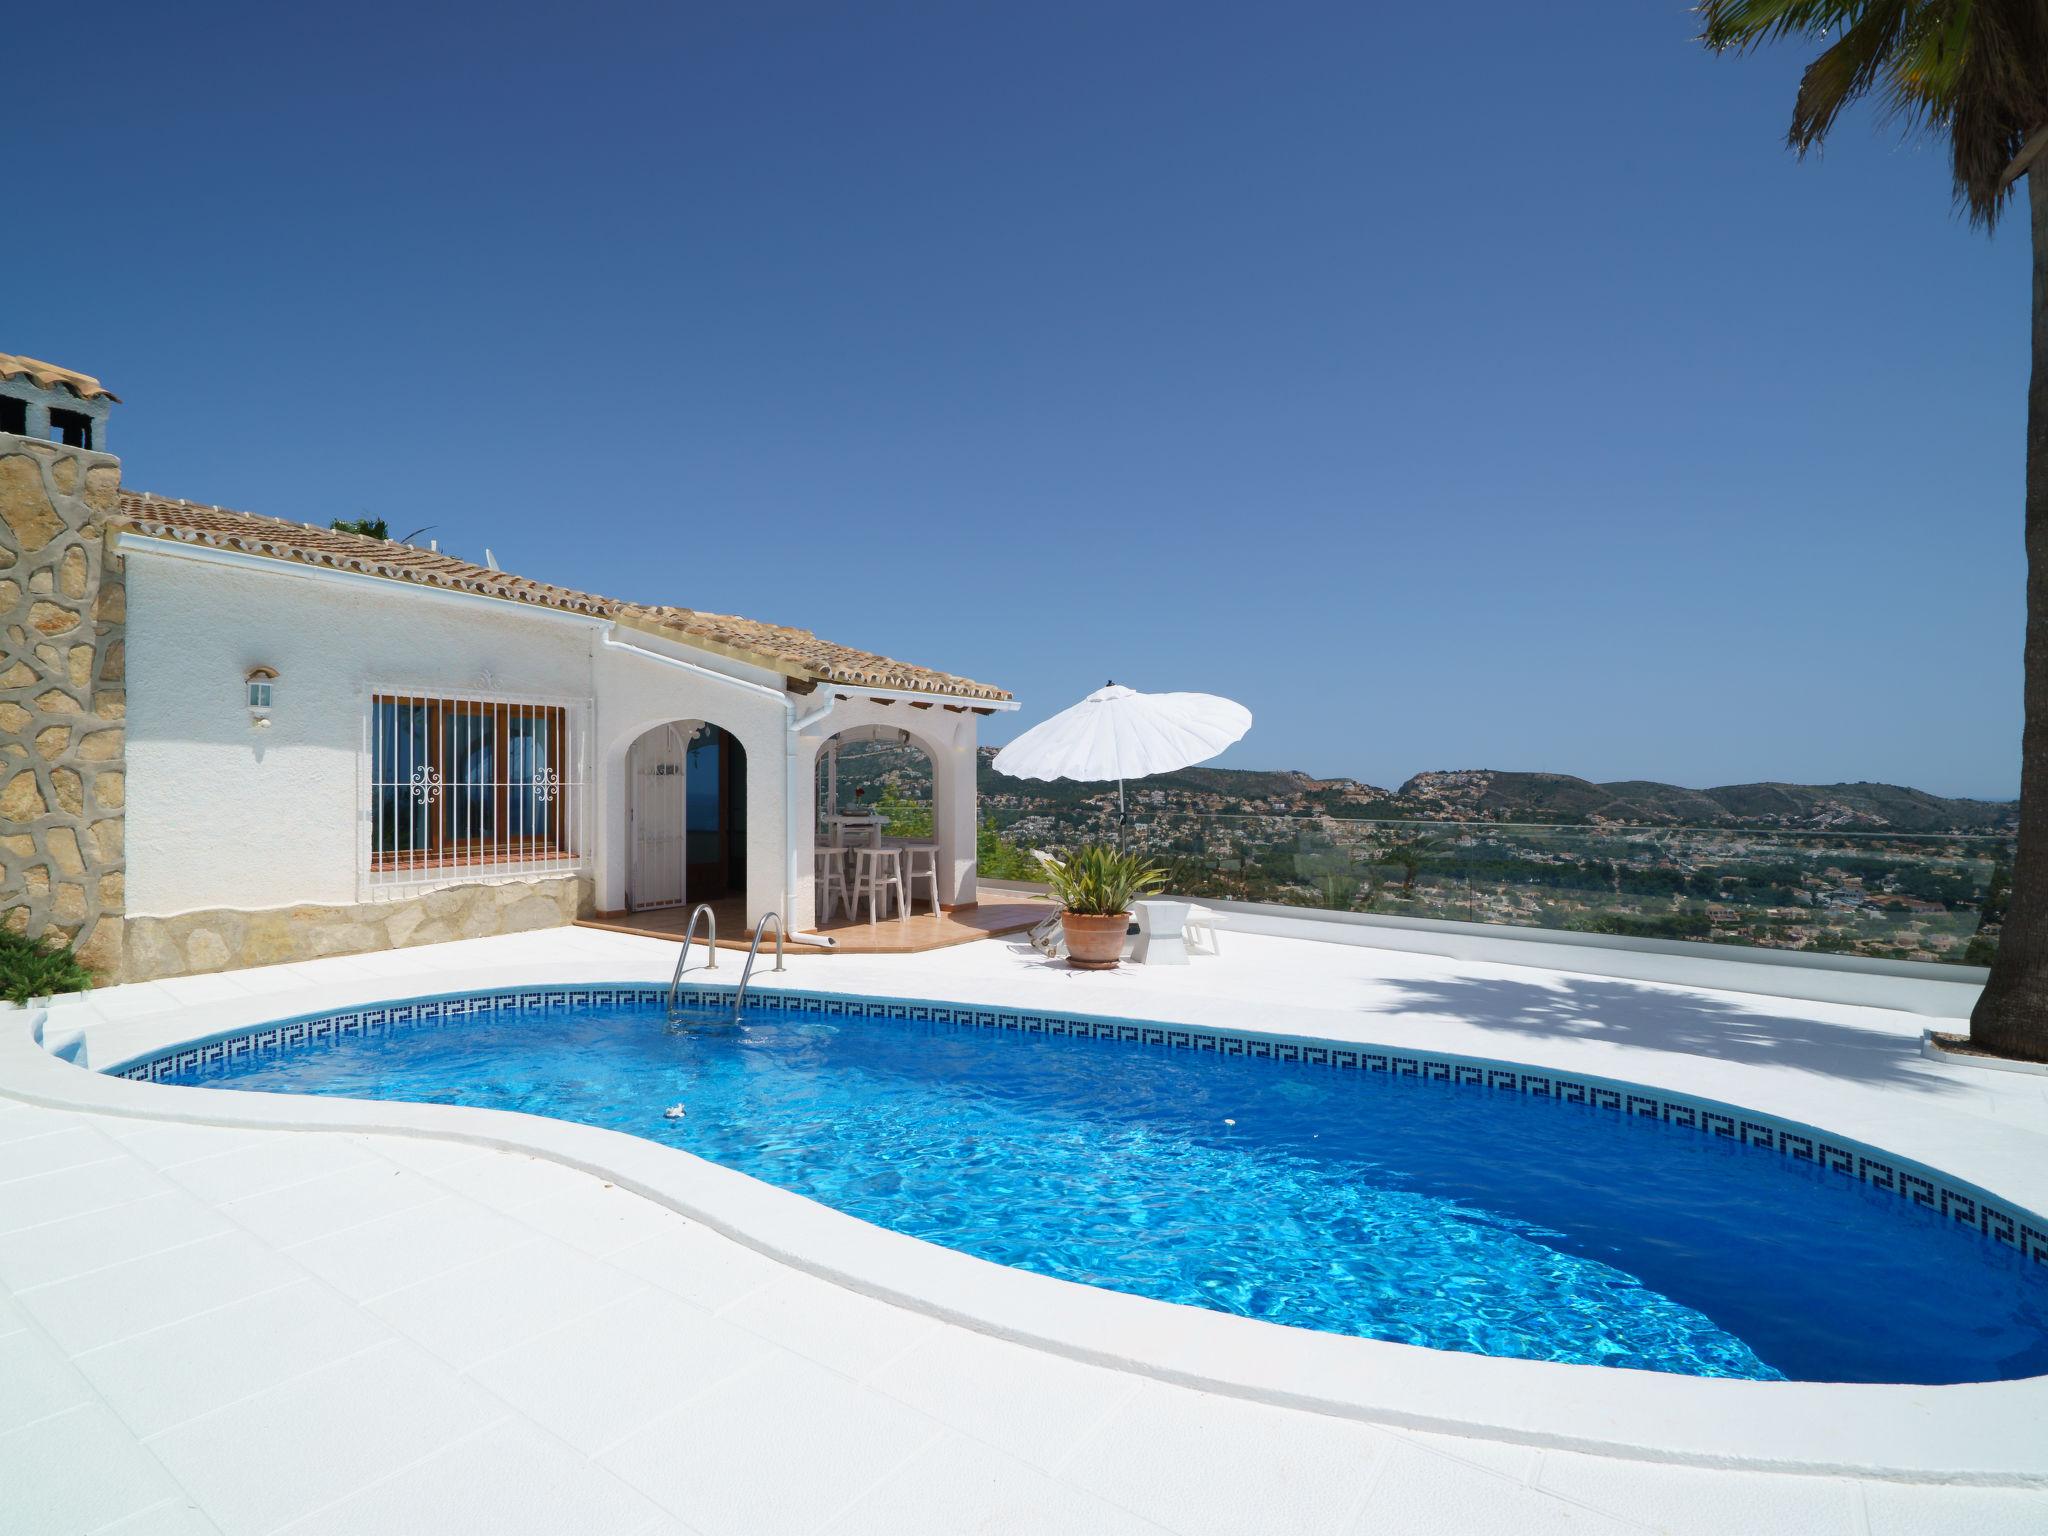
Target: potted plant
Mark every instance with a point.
(1095, 887)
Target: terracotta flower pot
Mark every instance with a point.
(1094, 943)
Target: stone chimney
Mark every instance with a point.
(63, 701)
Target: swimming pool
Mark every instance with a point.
(1477, 1208)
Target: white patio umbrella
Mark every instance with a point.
(1119, 733)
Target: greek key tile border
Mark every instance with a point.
(1964, 1203)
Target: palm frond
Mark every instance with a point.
(1740, 25)
(1972, 71)
(1859, 59)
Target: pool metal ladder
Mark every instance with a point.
(739, 999)
(703, 910)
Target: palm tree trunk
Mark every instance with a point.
(2011, 1017)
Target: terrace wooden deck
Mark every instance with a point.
(889, 936)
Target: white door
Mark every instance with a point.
(660, 816)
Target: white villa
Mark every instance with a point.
(236, 740)
(393, 1186)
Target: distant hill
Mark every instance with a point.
(1493, 795)
(1486, 794)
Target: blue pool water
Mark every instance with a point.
(1362, 1203)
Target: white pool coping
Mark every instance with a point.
(1853, 1071)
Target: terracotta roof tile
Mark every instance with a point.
(50, 376)
(820, 659)
(796, 653)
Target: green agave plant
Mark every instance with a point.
(1100, 881)
(30, 968)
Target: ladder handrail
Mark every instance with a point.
(711, 947)
(740, 997)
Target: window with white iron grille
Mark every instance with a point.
(462, 790)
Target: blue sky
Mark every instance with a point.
(1484, 387)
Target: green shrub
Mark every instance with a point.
(36, 968)
(1100, 881)
(1000, 859)
(903, 816)
(995, 858)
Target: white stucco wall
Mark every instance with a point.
(221, 814)
(634, 695)
(225, 815)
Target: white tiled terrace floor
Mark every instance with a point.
(234, 1331)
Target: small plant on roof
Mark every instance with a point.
(31, 968)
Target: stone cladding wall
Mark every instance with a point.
(224, 940)
(63, 700)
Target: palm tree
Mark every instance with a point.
(1408, 854)
(1976, 73)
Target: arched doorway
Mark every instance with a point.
(687, 816)
(715, 783)
(877, 769)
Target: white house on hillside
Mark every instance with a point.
(233, 739)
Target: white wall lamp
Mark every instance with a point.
(260, 681)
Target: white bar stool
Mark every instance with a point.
(832, 891)
(877, 872)
(921, 862)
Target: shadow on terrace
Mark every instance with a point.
(1678, 1023)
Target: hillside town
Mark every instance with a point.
(1864, 869)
